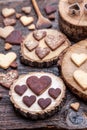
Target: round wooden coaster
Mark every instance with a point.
(54, 42)
(74, 26)
(68, 69)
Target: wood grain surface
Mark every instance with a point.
(65, 118)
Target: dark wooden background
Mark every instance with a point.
(65, 118)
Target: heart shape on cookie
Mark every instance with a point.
(81, 78)
(78, 59)
(4, 32)
(6, 12)
(38, 85)
(44, 103)
(26, 20)
(20, 89)
(42, 52)
(28, 101)
(30, 45)
(38, 34)
(54, 93)
(6, 60)
(54, 42)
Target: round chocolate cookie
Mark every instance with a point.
(74, 68)
(42, 48)
(37, 94)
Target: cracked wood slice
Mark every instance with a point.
(32, 58)
(69, 68)
(75, 27)
(36, 106)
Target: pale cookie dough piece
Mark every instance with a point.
(6, 12)
(26, 20)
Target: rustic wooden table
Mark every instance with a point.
(65, 118)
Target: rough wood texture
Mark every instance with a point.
(66, 118)
(75, 27)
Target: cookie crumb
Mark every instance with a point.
(31, 27)
(8, 46)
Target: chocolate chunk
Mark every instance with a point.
(54, 42)
(50, 8)
(28, 101)
(20, 89)
(54, 93)
(30, 45)
(7, 79)
(42, 52)
(14, 65)
(9, 21)
(44, 103)
(51, 16)
(15, 38)
(38, 34)
(38, 85)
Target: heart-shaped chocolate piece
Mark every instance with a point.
(38, 85)
(54, 42)
(20, 89)
(44, 103)
(15, 37)
(28, 101)
(42, 52)
(38, 34)
(54, 93)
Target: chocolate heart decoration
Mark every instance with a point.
(20, 89)
(42, 52)
(28, 101)
(38, 34)
(44, 103)
(15, 37)
(38, 85)
(54, 42)
(54, 93)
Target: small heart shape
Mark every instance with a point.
(30, 45)
(4, 32)
(6, 12)
(26, 20)
(54, 42)
(38, 85)
(74, 9)
(44, 103)
(42, 52)
(79, 59)
(6, 60)
(28, 101)
(81, 78)
(54, 93)
(20, 89)
(39, 34)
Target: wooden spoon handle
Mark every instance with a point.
(36, 8)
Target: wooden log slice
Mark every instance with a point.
(30, 57)
(75, 27)
(31, 108)
(68, 68)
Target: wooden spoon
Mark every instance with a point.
(42, 21)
